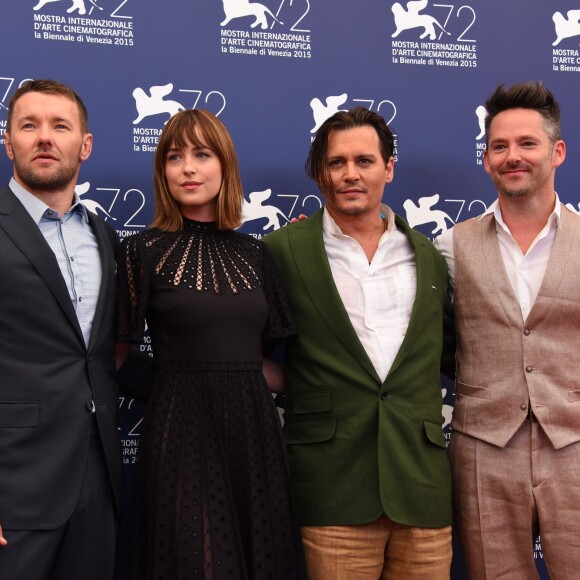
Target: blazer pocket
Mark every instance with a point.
(309, 431)
(318, 402)
(471, 391)
(19, 414)
(434, 433)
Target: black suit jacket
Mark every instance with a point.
(48, 377)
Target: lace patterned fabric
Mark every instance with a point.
(213, 491)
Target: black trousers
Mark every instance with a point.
(83, 548)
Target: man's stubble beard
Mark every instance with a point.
(56, 181)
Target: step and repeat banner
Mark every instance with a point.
(273, 71)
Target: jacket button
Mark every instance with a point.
(523, 406)
(384, 396)
(529, 369)
(526, 331)
(90, 406)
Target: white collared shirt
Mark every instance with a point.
(525, 271)
(379, 296)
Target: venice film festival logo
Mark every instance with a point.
(425, 213)
(566, 58)
(156, 104)
(241, 9)
(254, 28)
(83, 21)
(411, 18)
(110, 202)
(438, 38)
(269, 216)
(324, 108)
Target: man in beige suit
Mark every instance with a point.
(515, 450)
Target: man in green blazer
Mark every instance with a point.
(363, 423)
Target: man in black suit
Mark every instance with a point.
(60, 460)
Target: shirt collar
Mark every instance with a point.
(331, 227)
(495, 209)
(37, 208)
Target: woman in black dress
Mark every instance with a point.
(214, 499)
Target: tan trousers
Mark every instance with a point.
(504, 497)
(382, 549)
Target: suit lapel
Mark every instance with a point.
(106, 290)
(307, 247)
(27, 237)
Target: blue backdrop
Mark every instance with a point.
(273, 71)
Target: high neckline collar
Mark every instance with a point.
(193, 224)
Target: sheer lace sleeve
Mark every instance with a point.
(280, 322)
(133, 290)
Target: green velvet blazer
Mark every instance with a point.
(359, 447)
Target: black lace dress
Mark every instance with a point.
(213, 491)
